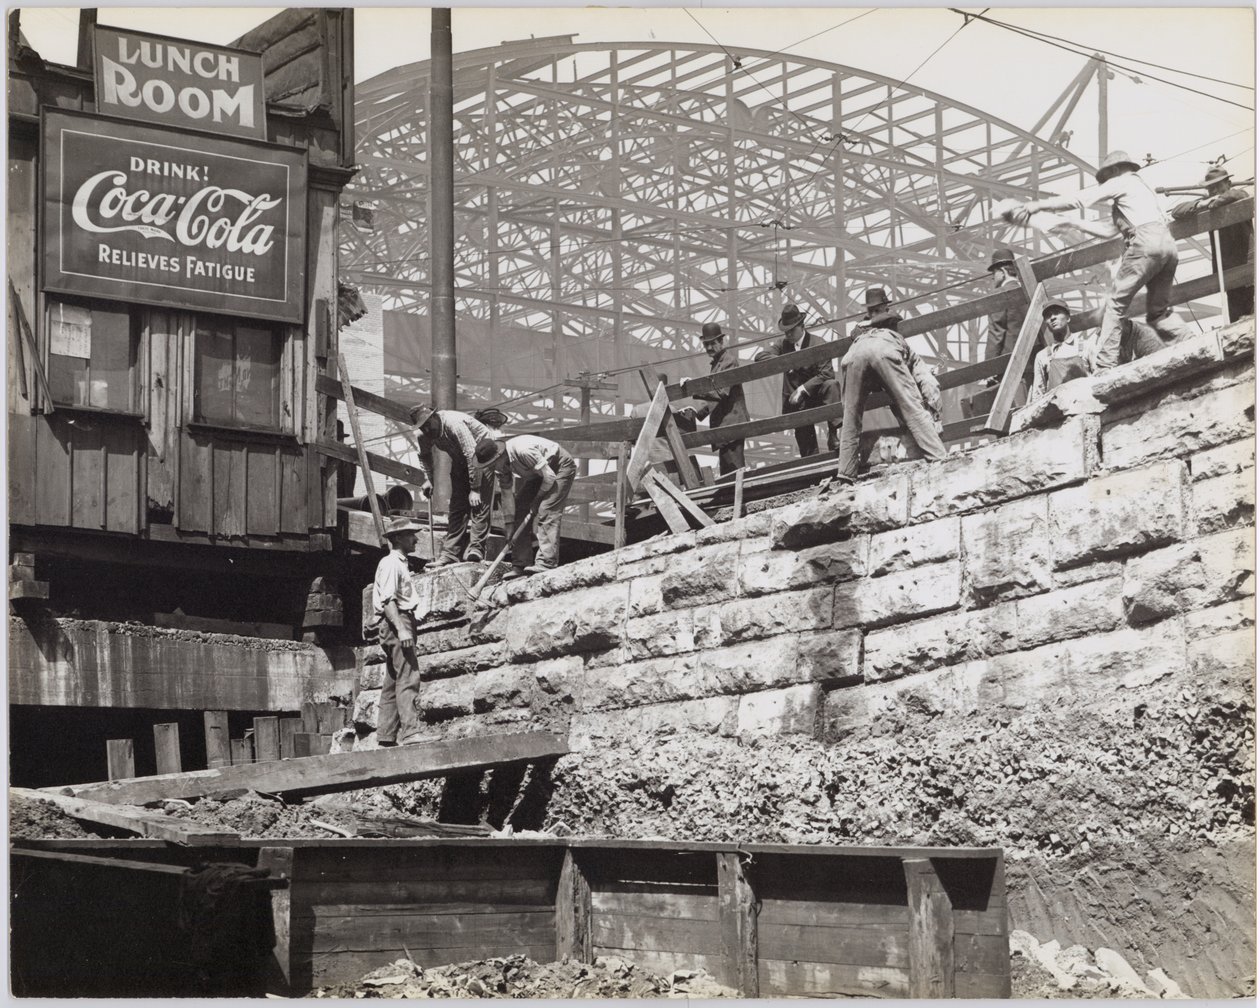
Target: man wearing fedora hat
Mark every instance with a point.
(1005, 323)
(804, 387)
(468, 511)
(1063, 360)
(1237, 241)
(394, 602)
(725, 406)
(1150, 255)
(544, 474)
(880, 358)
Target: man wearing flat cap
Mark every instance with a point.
(725, 406)
(394, 602)
(879, 358)
(468, 511)
(544, 474)
(1063, 359)
(1237, 241)
(1150, 254)
(805, 387)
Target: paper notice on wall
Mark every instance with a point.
(70, 332)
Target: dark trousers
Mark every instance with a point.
(807, 437)
(466, 527)
(396, 710)
(546, 529)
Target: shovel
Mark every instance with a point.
(507, 546)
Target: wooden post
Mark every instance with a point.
(738, 511)
(673, 437)
(1028, 281)
(1000, 412)
(266, 739)
(737, 916)
(621, 498)
(288, 728)
(166, 744)
(1220, 277)
(573, 913)
(218, 741)
(669, 511)
(242, 751)
(360, 448)
(120, 758)
(310, 716)
(931, 931)
(280, 861)
(310, 744)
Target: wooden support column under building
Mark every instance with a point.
(573, 912)
(218, 739)
(280, 862)
(266, 739)
(166, 746)
(931, 931)
(737, 919)
(120, 758)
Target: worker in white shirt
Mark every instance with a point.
(394, 602)
(1062, 360)
(1150, 255)
(544, 475)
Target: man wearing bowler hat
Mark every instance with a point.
(1150, 254)
(725, 406)
(1005, 323)
(394, 602)
(805, 387)
(468, 511)
(1237, 241)
(544, 474)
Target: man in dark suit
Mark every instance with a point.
(1237, 242)
(725, 406)
(807, 386)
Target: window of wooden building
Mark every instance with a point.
(92, 352)
(237, 374)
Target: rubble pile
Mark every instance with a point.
(518, 977)
(38, 820)
(1040, 971)
(254, 815)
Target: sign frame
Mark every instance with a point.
(252, 62)
(55, 211)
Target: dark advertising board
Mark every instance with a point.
(140, 213)
(190, 85)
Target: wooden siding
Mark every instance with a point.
(234, 487)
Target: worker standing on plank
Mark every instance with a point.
(725, 406)
(468, 512)
(1063, 360)
(544, 476)
(394, 602)
(1237, 242)
(1150, 255)
(805, 387)
(1005, 323)
(880, 358)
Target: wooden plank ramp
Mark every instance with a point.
(336, 772)
(143, 822)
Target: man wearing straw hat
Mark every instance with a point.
(468, 511)
(725, 406)
(805, 387)
(1150, 254)
(544, 475)
(394, 602)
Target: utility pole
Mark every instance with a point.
(441, 146)
(1103, 74)
(585, 381)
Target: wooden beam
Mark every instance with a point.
(573, 913)
(1028, 283)
(120, 758)
(242, 752)
(128, 817)
(1004, 401)
(289, 726)
(1191, 290)
(622, 498)
(279, 861)
(737, 918)
(218, 741)
(166, 745)
(665, 505)
(266, 739)
(338, 772)
(737, 511)
(931, 931)
(377, 463)
(364, 399)
(673, 437)
(641, 454)
(364, 468)
(682, 500)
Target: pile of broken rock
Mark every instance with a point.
(1051, 971)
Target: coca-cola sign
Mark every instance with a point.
(137, 213)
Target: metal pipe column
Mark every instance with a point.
(441, 144)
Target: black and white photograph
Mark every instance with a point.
(631, 503)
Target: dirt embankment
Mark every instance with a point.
(39, 820)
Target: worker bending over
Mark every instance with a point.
(544, 476)
(807, 386)
(394, 602)
(1150, 255)
(880, 358)
(723, 407)
(468, 512)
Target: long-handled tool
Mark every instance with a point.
(507, 546)
(432, 547)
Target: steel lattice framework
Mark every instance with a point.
(611, 198)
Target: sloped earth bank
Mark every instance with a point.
(1127, 825)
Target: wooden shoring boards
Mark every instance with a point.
(666, 505)
(931, 931)
(135, 820)
(1000, 413)
(673, 437)
(336, 772)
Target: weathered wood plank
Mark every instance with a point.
(859, 945)
(433, 894)
(242, 751)
(699, 904)
(573, 912)
(218, 740)
(364, 399)
(435, 912)
(789, 977)
(122, 478)
(292, 493)
(120, 758)
(737, 914)
(424, 931)
(228, 481)
(22, 464)
(87, 477)
(829, 913)
(262, 503)
(365, 470)
(641, 454)
(683, 501)
(166, 746)
(622, 496)
(338, 772)
(266, 739)
(673, 438)
(931, 928)
(133, 819)
(665, 504)
(657, 934)
(279, 860)
(196, 483)
(289, 727)
(377, 463)
(1025, 345)
(663, 962)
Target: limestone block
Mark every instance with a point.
(1170, 366)
(587, 573)
(1008, 550)
(1213, 621)
(645, 595)
(1230, 561)
(370, 661)
(1073, 398)
(663, 634)
(506, 686)
(833, 658)
(658, 545)
(1223, 459)
(1090, 572)
(558, 678)
(1179, 426)
(1238, 339)
(1164, 986)
(1224, 666)
(485, 626)
(749, 527)
(711, 716)
(1223, 501)
(903, 548)
(1118, 514)
(750, 619)
(770, 571)
(701, 576)
(365, 708)
(444, 699)
(567, 624)
(1005, 469)
(842, 512)
(445, 590)
(654, 680)
(461, 661)
(1163, 583)
(920, 591)
(790, 711)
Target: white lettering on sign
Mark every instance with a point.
(213, 216)
(120, 87)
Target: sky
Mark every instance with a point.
(1003, 74)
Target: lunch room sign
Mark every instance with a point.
(142, 213)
